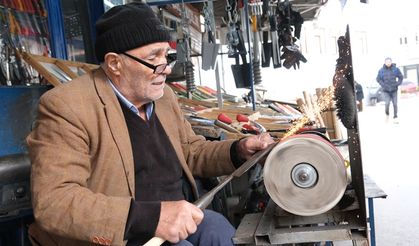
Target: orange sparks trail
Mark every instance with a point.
(297, 125)
(322, 103)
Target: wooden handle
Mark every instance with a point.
(155, 241)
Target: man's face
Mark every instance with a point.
(388, 62)
(138, 83)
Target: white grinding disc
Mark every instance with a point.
(296, 153)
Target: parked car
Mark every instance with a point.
(408, 86)
(374, 94)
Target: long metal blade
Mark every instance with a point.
(252, 161)
(206, 199)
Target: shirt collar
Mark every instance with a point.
(149, 107)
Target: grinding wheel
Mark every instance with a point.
(305, 175)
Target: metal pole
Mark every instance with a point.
(371, 220)
(217, 70)
(217, 80)
(56, 29)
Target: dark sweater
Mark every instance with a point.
(158, 175)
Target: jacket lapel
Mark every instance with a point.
(163, 109)
(117, 125)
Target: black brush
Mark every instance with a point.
(344, 93)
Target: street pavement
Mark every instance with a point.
(390, 155)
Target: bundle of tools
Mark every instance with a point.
(286, 17)
(275, 26)
(23, 28)
(183, 52)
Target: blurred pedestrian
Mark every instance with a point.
(359, 95)
(389, 77)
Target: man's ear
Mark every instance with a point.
(112, 63)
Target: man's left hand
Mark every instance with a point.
(250, 145)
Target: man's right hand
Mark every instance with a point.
(178, 220)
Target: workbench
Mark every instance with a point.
(263, 228)
(372, 191)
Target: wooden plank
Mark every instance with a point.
(246, 230)
(65, 69)
(41, 69)
(36, 61)
(51, 60)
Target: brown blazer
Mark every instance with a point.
(82, 163)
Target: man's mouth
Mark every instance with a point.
(157, 83)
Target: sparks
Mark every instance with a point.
(322, 104)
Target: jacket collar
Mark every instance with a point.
(117, 125)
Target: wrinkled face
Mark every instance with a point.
(137, 82)
(388, 62)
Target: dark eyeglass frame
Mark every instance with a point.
(157, 69)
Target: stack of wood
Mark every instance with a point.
(320, 109)
(329, 113)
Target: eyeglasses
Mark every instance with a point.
(157, 69)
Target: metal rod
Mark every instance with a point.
(218, 82)
(371, 220)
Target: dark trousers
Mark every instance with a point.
(214, 230)
(390, 97)
(360, 105)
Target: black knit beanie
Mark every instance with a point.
(126, 27)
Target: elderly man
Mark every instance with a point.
(113, 158)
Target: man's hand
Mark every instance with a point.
(250, 145)
(178, 220)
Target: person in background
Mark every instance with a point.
(113, 158)
(389, 77)
(359, 95)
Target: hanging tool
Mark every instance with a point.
(276, 54)
(209, 49)
(189, 70)
(287, 17)
(267, 50)
(206, 199)
(7, 66)
(266, 45)
(16, 71)
(232, 35)
(255, 11)
(236, 47)
(275, 46)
